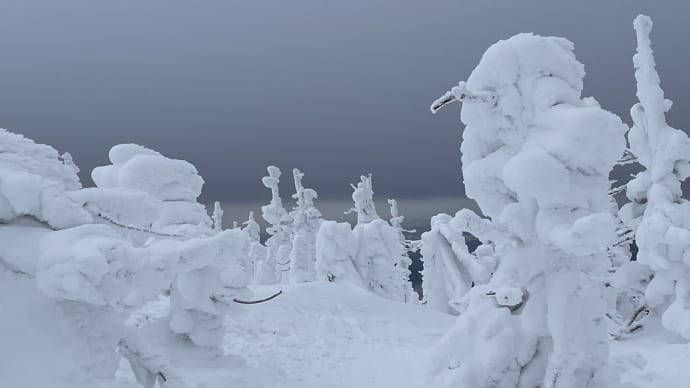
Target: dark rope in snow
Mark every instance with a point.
(135, 228)
(257, 301)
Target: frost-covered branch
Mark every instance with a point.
(460, 93)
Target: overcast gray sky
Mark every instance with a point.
(336, 88)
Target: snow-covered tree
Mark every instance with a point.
(403, 266)
(217, 217)
(536, 158)
(336, 247)
(257, 251)
(450, 270)
(274, 268)
(201, 297)
(657, 212)
(381, 258)
(363, 197)
(99, 278)
(305, 223)
(35, 182)
(167, 189)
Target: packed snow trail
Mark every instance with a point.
(337, 335)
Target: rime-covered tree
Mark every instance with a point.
(336, 247)
(257, 251)
(536, 158)
(450, 270)
(274, 268)
(306, 219)
(381, 258)
(143, 189)
(363, 197)
(658, 213)
(217, 217)
(402, 277)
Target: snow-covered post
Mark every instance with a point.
(657, 212)
(217, 217)
(305, 223)
(271, 269)
(536, 158)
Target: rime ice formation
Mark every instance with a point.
(536, 158)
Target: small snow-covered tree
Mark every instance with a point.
(336, 247)
(274, 268)
(257, 251)
(403, 266)
(167, 189)
(217, 217)
(657, 212)
(305, 223)
(536, 158)
(202, 297)
(363, 197)
(34, 182)
(381, 258)
(450, 270)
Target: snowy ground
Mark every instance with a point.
(328, 335)
(318, 334)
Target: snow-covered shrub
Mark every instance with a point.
(275, 267)
(34, 181)
(657, 212)
(536, 158)
(305, 223)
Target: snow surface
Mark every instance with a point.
(313, 335)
